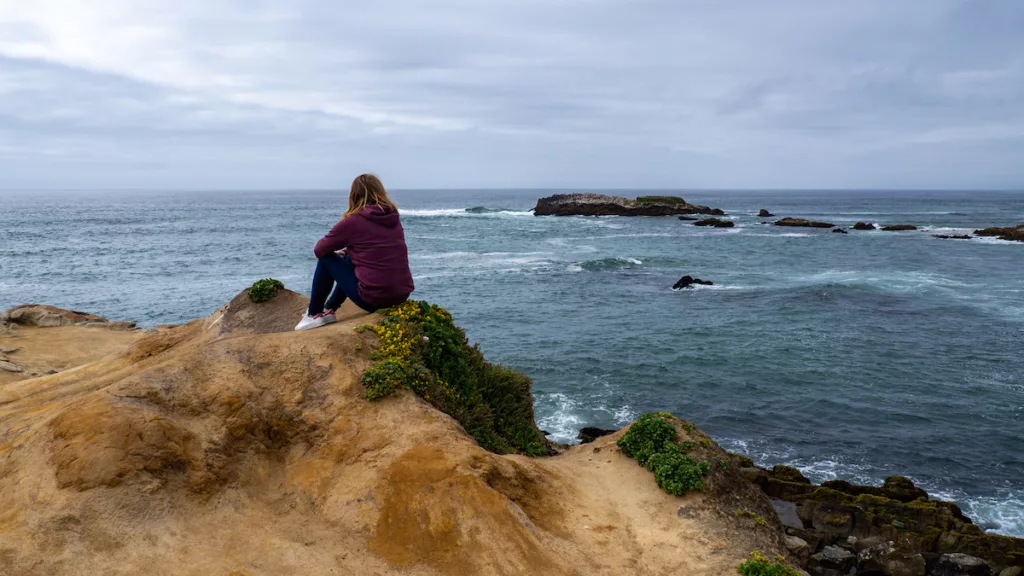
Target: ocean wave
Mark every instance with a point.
(608, 264)
(564, 422)
(894, 281)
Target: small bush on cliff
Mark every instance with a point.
(760, 565)
(263, 290)
(651, 442)
(421, 348)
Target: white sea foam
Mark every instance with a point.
(564, 422)
(462, 212)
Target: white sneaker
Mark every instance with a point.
(309, 322)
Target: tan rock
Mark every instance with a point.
(235, 445)
(10, 367)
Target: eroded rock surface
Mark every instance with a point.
(603, 205)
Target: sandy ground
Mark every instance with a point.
(233, 446)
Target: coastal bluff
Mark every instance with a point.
(585, 204)
(233, 445)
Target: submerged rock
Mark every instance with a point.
(898, 227)
(952, 236)
(803, 223)
(716, 222)
(762, 213)
(863, 226)
(688, 281)
(839, 231)
(603, 205)
(684, 217)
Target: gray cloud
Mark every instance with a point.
(572, 93)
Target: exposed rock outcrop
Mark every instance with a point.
(715, 222)
(234, 445)
(868, 518)
(688, 282)
(1015, 233)
(839, 231)
(762, 213)
(898, 227)
(44, 316)
(603, 205)
(863, 226)
(803, 223)
(589, 433)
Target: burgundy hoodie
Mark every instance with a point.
(375, 241)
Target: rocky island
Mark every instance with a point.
(385, 444)
(603, 205)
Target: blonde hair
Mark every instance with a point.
(367, 190)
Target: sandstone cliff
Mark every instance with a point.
(232, 445)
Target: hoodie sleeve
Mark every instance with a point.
(339, 237)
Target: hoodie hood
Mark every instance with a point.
(381, 215)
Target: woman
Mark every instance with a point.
(364, 254)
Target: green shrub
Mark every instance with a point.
(659, 200)
(422, 349)
(677, 473)
(263, 290)
(647, 437)
(760, 565)
(651, 442)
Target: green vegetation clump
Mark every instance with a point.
(422, 349)
(677, 473)
(651, 442)
(753, 515)
(675, 200)
(648, 436)
(760, 565)
(265, 289)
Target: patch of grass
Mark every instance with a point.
(651, 442)
(723, 463)
(674, 200)
(761, 565)
(265, 289)
(422, 349)
(705, 442)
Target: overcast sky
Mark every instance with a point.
(512, 93)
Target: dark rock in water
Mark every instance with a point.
(953, 237)
(762, 213)
(1015, 233)
(960, 565)
(603, 205)
(863, 226)
(716, 222)
(898, 228)
(844, 514)
(832, 558)
(684, 217)
(839, 231)
(589, 434)
(688, 281)
(803, 223)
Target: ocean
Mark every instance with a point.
(851, 356)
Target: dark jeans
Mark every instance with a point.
(330, 270)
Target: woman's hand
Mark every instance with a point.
(343, 252)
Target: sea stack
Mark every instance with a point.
(603, 205)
